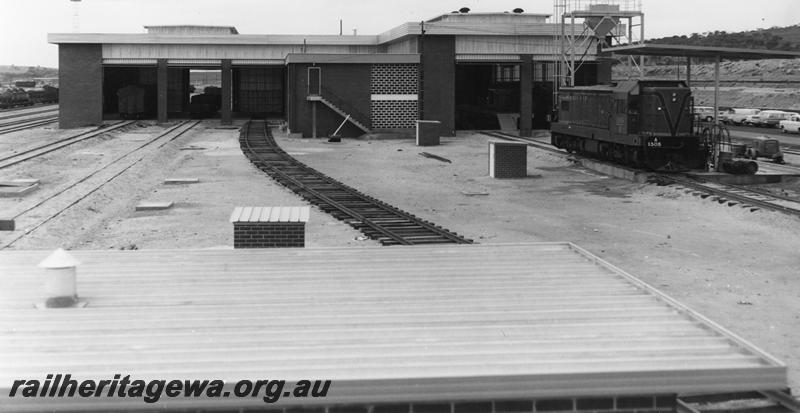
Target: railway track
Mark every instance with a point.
(53, 205)
(7, 160)
(745, 197)
(27, 123)
(376, 219)
(50, 106)
(751, 198)
(19, 114)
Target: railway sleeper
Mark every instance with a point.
(418, 238)
(390, 242)
(403, 226)
(329, 195)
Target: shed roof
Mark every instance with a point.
(658, 49)
(191, 29)
(484, 16)
(384, 324)
(483, 24)
(351, 58)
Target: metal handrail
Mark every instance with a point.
(346, 107)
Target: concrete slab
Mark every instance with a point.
(19, 182)
(181, 181)
(6, 224)
(617, 171)
(153, 205)
(16, 191)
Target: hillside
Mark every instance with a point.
(11, 73)
(773, 84)
(776, 38)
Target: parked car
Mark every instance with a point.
(724, 113)
(790, 125)
(764, 147)
(753, 120)
(738, 116)
(704, 113)
(772, 118)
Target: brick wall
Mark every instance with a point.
(398, 79)
(526, 96)
(80, 73)
(508, 160)
(394, 114)
(439, 83)
(268, 234)
(389, 81)
(349, 82)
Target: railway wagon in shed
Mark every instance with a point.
(646, 124)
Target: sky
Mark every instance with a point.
(23, 32)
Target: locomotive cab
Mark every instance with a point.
(641, 123)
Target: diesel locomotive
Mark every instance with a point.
(642, 123)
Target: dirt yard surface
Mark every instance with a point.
(107, 218)
(737, 267)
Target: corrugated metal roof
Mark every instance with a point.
(657, 49)
(384, 324)
(191, 29)
(194, 62)
(352, 58)
(129, 61)
(242, 39)
(488, 58)
(258, 62)
(509, 58)
(270, 214)
(492, 16)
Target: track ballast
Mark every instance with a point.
(376, 219)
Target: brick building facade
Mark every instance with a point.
(462, 70)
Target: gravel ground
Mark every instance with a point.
(737, 267)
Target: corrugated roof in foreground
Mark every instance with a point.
(384, 324)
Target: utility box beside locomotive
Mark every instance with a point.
(645, 124)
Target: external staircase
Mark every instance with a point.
(348, 117)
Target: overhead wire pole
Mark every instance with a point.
(559, 51)
(716, 89)
(420, 75)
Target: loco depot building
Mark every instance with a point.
(460, 69)
(493, 328)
